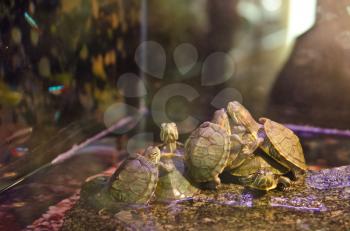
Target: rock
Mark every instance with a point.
(316, 74)
(318, 201)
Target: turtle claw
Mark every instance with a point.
(262, 120)
(102, 211)
(213, 185)
(217, 180)
(259, 141)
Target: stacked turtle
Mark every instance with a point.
(172, 183)
(159, 172)
(134, 182)
(259, 155)
(207, 151)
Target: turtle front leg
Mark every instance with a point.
(238, 129)
(166, 167)
(237, 138)
(212, 185)
(217, 181)
(242, 151)
(284, 182)
(255, 144)
(250, 147)
(172, 155)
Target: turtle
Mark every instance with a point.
(133, 182)
(282, 145)
(169, 135)
(93, 191)
(276, 140)
(236, 156)
(171, 149)
(172, 183)
(206, 154)
(243, 143)
(136, 179)
(258, 173)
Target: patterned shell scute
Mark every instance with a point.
(251, 166)
(286, 143)
(207, 152)
(174, 186)
(136, 182)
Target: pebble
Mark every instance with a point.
(207, 220)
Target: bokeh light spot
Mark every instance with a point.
(150, 57)
(131, 85)
(185, 57)
(217, 68)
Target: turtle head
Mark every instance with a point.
(220, 117)
(240, 116)
(168, 133)
(264, 180)
(152, 153)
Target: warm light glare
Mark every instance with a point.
(302, 15)
(271, 5)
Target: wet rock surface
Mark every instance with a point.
(318, 201)
(22, 205)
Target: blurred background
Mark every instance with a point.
(71, 68)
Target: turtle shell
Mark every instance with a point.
(134, 181)
(173, 186)
(251, 166)
(257, 173)
(206, 152)
(286, 147)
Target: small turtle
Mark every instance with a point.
(277, 141)
(169, 135)
(134, 182)
(206, 153)
(282, 145)
(242, 121)
(171, 149)
(172, 184)
(243, 141)
(93, 191)
(237, 155)
(136, 179)
(257, 173)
